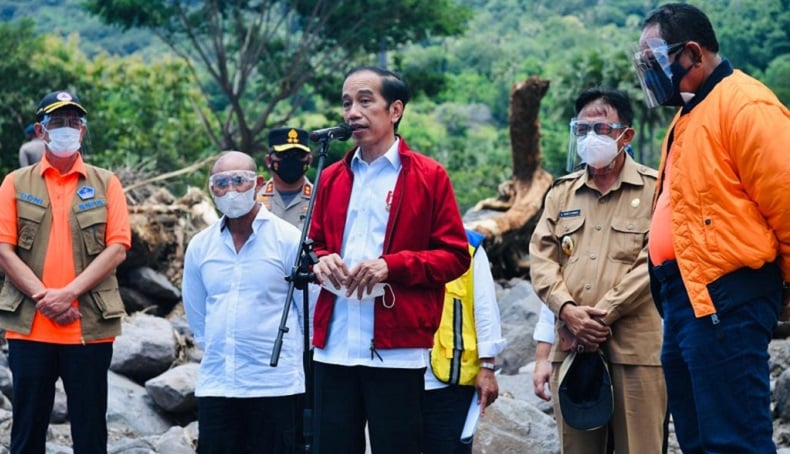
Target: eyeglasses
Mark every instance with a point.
(55, 122)
(580, 129)
(237, 178)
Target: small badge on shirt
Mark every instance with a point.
(570, 213)
(567, 245)
(86, 192)
(635, 203)
(388, 201)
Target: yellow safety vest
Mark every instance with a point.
(454, 355)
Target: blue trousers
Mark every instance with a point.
(716, 367)
(389, 400)
(444, 414)
(36, 367)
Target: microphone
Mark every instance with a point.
(339, 132)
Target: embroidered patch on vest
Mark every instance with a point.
(90, 205)
(31, 198)
(86, 192)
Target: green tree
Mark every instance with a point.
(777, 77)
(253, 60)
(24, 84)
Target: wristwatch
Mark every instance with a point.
(489, 366)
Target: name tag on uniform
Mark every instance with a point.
(570, 213)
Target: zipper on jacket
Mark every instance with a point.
(375, 352)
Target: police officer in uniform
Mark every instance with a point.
(287, 193)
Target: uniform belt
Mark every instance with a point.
(667, 271)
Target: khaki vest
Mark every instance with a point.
(101, 308)
(454, 355)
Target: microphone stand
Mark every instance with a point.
(301, 275)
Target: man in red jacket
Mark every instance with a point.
(389, 235)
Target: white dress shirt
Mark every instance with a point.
(351, 328)
(487, 323)
(544, 329)
(234, 303)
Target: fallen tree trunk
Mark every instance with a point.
(507, 221)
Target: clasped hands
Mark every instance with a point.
(584, 328)
(56, 304)
(361, 279)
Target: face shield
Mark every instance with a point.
(579, 130)
(658, 76)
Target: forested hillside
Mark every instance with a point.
(152, 109)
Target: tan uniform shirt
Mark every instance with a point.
(295, 211)
(591, 249)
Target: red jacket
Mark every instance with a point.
(425, 247)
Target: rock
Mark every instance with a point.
(174, 390)
(513, 426)
(519, 309)
(130, 410)
(146, 348)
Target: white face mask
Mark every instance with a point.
(235, 204)
(598, 151)
(64, 142)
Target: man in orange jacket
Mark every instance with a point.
(720, 235)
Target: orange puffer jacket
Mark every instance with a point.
(730, 183)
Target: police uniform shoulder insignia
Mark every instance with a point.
(86, 192)
(268, 189)
(307, 190)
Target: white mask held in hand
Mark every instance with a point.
(64, 142)
(235, 204)
(597, 151)
(380, 289)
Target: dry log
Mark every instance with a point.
(507, 220)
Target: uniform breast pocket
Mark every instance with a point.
(29, 221)
(627, 238)
(93, 227)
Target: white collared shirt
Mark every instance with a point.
(234, 303)
(351, 327)
(544, 328)
(488, 327)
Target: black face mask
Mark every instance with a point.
(666, 90)
(289, 168)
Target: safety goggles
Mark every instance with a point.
(63, 121)
(237, 178)
(581, 129)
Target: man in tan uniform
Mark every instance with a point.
(589, 265)
(287, 193)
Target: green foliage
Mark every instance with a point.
(777, 77)
(166, 107)
(25, 83)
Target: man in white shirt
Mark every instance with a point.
(233, 292)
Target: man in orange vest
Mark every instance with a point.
(64, 228)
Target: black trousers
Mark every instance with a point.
(36, 367)
(254, 425)
(389, 400)
(444, 414)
